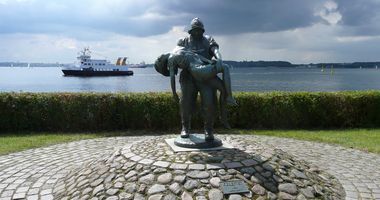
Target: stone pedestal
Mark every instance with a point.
(197, 141)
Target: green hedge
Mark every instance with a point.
(110, 111)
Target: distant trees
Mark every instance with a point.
(288, 64)
(259, 63)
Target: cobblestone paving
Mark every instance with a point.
(32, 174)
(357, 171)
(148, 169)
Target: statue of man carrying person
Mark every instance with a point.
(193, 55)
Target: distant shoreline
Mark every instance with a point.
(311, 65)
(239, 64)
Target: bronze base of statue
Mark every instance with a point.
(197, 141)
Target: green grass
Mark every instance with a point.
(363, 139)
(14, 142)
(18, 142)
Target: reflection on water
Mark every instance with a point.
(51, 79)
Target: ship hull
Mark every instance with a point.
(138, 66)
(96, 73)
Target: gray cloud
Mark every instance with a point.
(70, 17)
(230, 17)
(360, 17)
(227, 17)
(294, 30)
(145, 18)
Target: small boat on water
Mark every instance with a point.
(140, 65)
(93, 67)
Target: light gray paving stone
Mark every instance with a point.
(180, 179)
(32, 197)
(178, 166)
(124, 195)
(298, 174)
(112, 198)
(170, 197)
(191, 184)
(47, 197)
(186, 196)
(7, 193)
(175, 188)
(86, 191)
(146, 161)
(130, 187)
(258, 189)
(215, 181)
(163, 164)
(235, 197)
(129, 154)
(139, 197)
(165, 178)
(45, 192)
(308, 192)
(198, 174)
(19, 196)
(147, 179)
(196, 167)
(12, 187)
(215, 194)
(136, 158)
(130, 174)
(156, 197)
(98, 189)
(284, 195)
(112, 191)
(33, 191)
(289, 188)
(156, 188)
(214, 166)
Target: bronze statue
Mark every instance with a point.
(193, 56)
(200, 68)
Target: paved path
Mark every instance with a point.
(32, 174)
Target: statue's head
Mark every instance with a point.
(196, 28)
(161, 64)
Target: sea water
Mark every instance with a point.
(51, 79)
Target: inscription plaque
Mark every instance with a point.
(234, 187)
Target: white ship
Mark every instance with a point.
(92, 67)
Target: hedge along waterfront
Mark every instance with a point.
(118, 111)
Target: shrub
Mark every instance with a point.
(119, 111)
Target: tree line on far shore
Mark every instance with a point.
(232, 63)
(288, 64)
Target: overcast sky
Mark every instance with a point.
(299, 31)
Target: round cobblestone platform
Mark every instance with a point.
(32, 174)
(150, 169)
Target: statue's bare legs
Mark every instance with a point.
(224, 69)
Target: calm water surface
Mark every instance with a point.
(51, 79)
